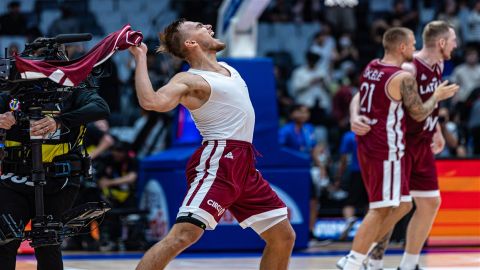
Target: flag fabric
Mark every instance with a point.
(71, 73)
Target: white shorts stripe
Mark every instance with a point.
(387, 180)
(208, 181)
(425, 193)
(200, 172)
(397, 179)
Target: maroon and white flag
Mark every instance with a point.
(71, 73)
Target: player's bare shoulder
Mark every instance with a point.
(198, 90)
(192, 81)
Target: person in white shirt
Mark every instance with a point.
(221, 174)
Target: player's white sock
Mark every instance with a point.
(409, 261)
(375, 264)
(354, 261)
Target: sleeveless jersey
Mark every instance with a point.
(228, 113)
(428, 78)
(386, 140)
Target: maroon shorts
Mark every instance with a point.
(421, 170)
(221, 175)
(385, 181)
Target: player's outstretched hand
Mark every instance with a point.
(139, 50)
(360, 125)
(445, 91)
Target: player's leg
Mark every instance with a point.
(395, 216)
(260, 208)
(376, 220)
(385, 182)
(375, 260)
(418, 229)
(279, 244)
(177, 240)
(425, 191)
(196, 213)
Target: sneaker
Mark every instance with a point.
(341, 263)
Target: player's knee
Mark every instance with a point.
(405, 207)
(289, 237)
(429, 204)
(285, 235)
(185, 240)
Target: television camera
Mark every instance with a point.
(28, 100)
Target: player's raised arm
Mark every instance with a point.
(164, 99)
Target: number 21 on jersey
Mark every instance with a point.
(367, 97)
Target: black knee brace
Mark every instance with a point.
(191, 220)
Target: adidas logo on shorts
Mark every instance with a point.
(229, 155)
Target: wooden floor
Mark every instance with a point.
(301, 261)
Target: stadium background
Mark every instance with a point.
(339, 36)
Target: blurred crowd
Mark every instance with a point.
(313, 96)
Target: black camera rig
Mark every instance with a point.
(31, 96)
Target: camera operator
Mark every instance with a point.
(62, 128)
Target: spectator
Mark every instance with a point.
(401, 16)
(341, 100)
(324, 46)
(467, 75)
(472, 27)
(300, 136)
(13, 22)
(67, 23)
(357, 195)
(98, 139)
(117, 177)
(346, 49)
(147, 136)
(309, 84)
(454, 146)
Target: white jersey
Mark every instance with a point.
(228, 113)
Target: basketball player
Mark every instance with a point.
(384, 91)
(423, 140)
(221, 174)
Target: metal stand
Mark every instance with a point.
(38, 173)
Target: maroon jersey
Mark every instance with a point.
(386, 140)
(428, 78)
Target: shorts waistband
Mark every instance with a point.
(237, 143)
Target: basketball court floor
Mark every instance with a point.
(314, 258)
